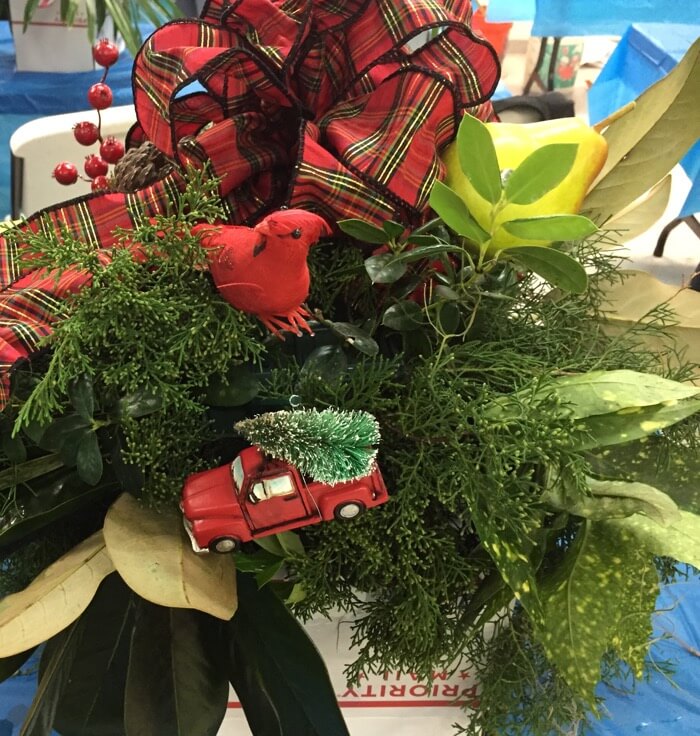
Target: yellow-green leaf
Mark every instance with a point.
(55, 598)
(153, 555)
(639, 216)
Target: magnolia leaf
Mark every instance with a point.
(540, 172)
(680, 540)
(646, 143)
(604, 585)
(55, 598)
(277, 672)
(176, 682)
(648, 461)
(478, 159)
(92, 701)
(364, 231)
(551, 227)
(153, 555)
(57, 659)
(383, 269)
(632, 424)
(639, 216)
(629, 302)
(452, 209)
(555, 267)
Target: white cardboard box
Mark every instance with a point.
(48, 45)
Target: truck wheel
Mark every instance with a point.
(348, 510)
(223, 545)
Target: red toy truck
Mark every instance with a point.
(255, 496)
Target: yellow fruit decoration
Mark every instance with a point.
(567, 144)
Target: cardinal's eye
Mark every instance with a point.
(296, 234)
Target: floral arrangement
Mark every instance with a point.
(538, 469)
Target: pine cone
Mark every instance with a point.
(140, 167)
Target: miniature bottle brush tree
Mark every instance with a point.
(541, 474)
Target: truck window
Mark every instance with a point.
(282, 485)
(237, 470)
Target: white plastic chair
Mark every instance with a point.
(37, 146)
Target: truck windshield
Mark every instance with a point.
(279, 486)
(237, 471)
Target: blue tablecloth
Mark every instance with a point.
(25, 96)
(608, 17)
(646, 53)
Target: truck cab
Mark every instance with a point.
(255, 496)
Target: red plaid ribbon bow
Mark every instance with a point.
(335, 106)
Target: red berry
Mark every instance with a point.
(100, 96)
(66, 173)
(105, 53)
(95, 166)
(100, 183)
(86, 133)
(111, 149)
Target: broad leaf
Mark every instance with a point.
(49, 499)
(139, 404)
(540, 172)
(152, 553)
(551, 227)
(393, 229)
(425, 252)
(355, 337)
(176, 682)
(555, 267)
(604, 586)
(633, 424)
(403, 316)
(645, 144)
(55, 598)
(92, 701)
(82, 397)
(680, 540)
(648, 461)
(449, 205)
(364, 231)
(383, 269)
(477, 158)
(239, 387)
(89, 459)
(639, 216)
(277, 672)
(327, 363)
(57, 660)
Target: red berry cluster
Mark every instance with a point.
(99, 96)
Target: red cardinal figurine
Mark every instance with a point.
(262, 270)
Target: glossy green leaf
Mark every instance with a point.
(551, 227)
(478, 159)
(125, 23)
(383, 269)
(364, 231)
(176, 683)
(10, 665)
(63, 428)
(355, 337)
(269, 573)
(540, 172)
(139, 404)
(646, 143)
(82, 397)
(403, 316)
(555, 267)
(89, 459)
(424, 240)
(425, 252)
(240, 387)
(393, 229)
(449, 205)
(70, 445)
(58, 495)
(449, 317)
(326, 363)
(14, 449)
(277, 672)
(605, 585)
(291, 544)
(57, 660)
(92, 701)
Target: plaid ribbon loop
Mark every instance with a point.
(345, 104)
(334, 106)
